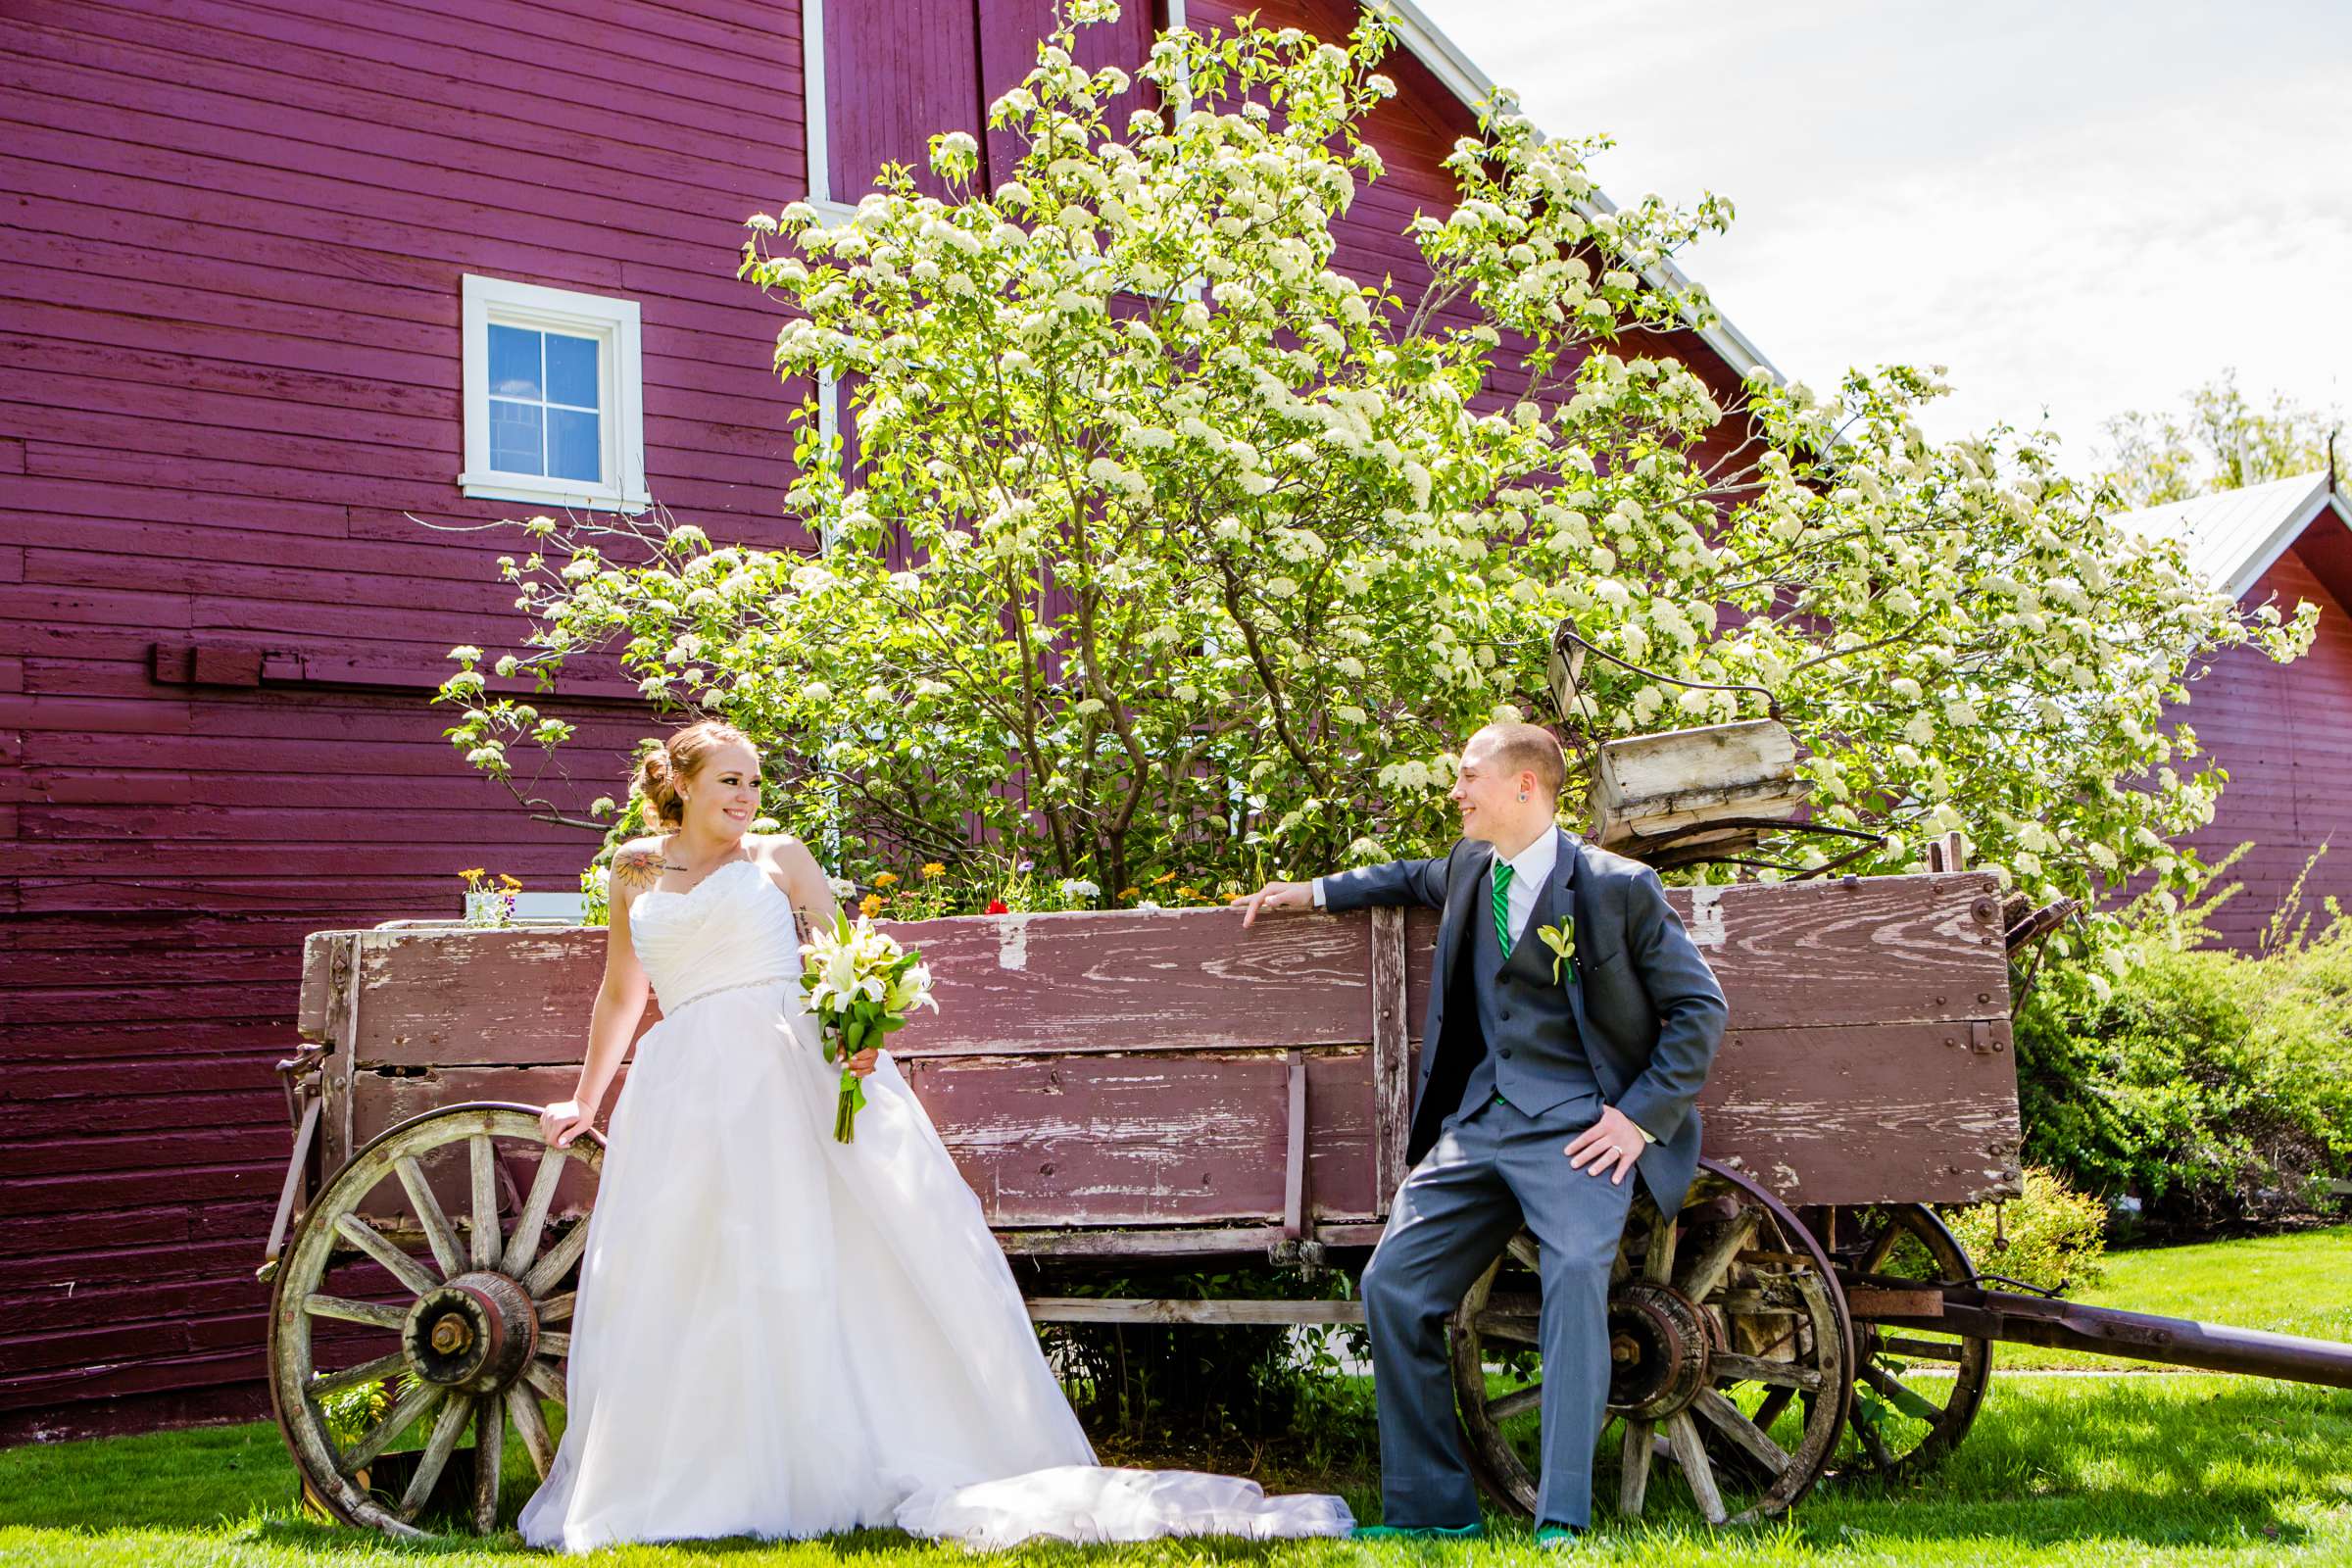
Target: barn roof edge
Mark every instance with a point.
(1462, 76)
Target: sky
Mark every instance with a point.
(2076, 207)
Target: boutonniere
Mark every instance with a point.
(1561, 940)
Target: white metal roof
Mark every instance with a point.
(2232, 537)
(1444, 59)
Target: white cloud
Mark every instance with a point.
(2078, 208)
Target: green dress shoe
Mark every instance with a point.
(1556, 1538)
(1416, 1533)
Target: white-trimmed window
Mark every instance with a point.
(555, 408)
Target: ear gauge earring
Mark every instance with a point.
(1523, 795)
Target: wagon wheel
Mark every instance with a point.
(470, 1326)
(1916, 1390)
(1717, 1321)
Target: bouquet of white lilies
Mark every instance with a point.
(862, 985)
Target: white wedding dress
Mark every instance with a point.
(780, 1335)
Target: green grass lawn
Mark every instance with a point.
(2063, 1472)
(2175, 1471)
(2299, 1285)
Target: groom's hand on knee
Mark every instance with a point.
(1275, 896)
(1609, 1147)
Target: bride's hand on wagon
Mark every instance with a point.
(564, 1120)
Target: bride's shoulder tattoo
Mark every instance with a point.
(636, 868)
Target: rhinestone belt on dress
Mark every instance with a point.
(712, 990)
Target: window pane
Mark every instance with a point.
(514, 362)
(572, 370)
(572, 449)
(514, 446)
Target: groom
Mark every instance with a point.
(1571, 1024)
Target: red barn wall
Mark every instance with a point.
(2284, 734)
(231, 374)
(230, 368)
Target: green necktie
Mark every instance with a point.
(1503, 905)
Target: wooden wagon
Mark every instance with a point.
(1166, 1089)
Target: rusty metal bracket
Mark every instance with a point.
(298, 1076)
(296, 1169)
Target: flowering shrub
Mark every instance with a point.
(1203, 554)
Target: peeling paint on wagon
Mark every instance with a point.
(1705, 924)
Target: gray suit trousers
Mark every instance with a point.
(1456, 1210)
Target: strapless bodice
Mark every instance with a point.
(735, 927)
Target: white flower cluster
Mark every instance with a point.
(842, 966)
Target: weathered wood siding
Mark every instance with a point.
(230, 380)
(2284, 734)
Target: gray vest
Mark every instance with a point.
(1533, 1055)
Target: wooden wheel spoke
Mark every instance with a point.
(439, 1234)
(522, 1404)
(1516, 1403)
(1775, 1401)
(557, 1345)
(558, 1259)
(436, 1458)
(547, 1379)
(1911, 1404)
(489, 1454)
(383, 1366)
(376, 1314)
(1698, 1278)
(1529, 1256)
(1730, 1368)
(398, 1265)
(523, 1245)
(1747, 1435)
(1882, 1245)
(1633, 1483)
(486, 1244)
(1682, 1435)
(1657, 1264)
(1518, 1328)
(419, 1399)
(557, 1309)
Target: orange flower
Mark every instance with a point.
(886, 879)
(1188, 893)
(933, 867)
(1131, 893)
(1163, 879)
(870, 906)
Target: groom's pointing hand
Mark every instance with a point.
(1275, 896)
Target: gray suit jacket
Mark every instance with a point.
(1646, 1005)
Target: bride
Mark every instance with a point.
(777, 1334)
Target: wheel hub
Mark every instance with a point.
(473, 1334)
(1660, 1345)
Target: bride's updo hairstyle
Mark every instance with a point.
(663, 764)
